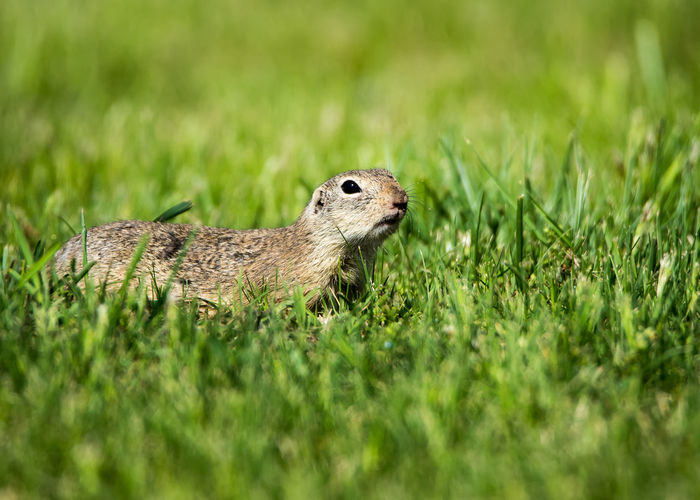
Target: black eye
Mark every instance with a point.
(350, 187)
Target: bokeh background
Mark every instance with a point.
(125, 107)
(534, 347)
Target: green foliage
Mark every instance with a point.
(533, 330)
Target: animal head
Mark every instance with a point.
(363, 207)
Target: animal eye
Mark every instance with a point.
(350, 187)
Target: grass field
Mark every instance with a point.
(533, 329)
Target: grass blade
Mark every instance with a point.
(37, 266)
(83, 235)
(461, 172)
(21, 240)
(174, 211)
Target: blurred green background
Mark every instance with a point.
(454, 376)
(124, 107)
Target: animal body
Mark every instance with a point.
(326, 251)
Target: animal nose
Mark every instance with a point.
(401, 202)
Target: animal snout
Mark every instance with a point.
(401, 202)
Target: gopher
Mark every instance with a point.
(326, 251)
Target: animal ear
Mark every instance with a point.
(318, 200)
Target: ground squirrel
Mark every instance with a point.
(325, 251)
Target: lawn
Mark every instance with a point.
(532, 330)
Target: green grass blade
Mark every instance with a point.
(457, 165)
(561, 187)
(561, 234)
(506, 195)
(37, 266)
(174, 211)
(83, 272)
(21, 240)
(83, 236)
(136, 258)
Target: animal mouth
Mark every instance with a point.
(398, 210)
(392, 219)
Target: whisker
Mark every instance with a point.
(414, 199)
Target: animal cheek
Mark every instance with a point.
(345, 229)
(354, 233)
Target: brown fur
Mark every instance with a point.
(320, 251)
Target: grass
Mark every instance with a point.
(533, 330)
